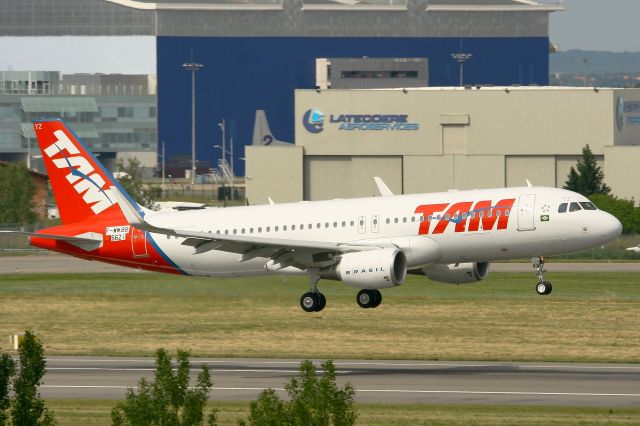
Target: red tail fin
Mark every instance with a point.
(79, 181)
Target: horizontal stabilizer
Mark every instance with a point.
(88, 241)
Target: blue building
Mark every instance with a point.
(255, 53)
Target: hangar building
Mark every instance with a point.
(442, 138)
(255, 53)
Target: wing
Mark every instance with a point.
(283, 252)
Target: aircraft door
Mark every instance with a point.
(139, 243)
(362, 224)
(526, 204)
(375, 224)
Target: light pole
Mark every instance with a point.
(193, 67)
(461, 58)
(585, 60)
(223, 129)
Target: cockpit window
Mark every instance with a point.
(588, 206)
(574, 207)
(562, 208)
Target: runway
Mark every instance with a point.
(57, 263)
(604, 385)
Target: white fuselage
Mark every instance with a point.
(459, 227)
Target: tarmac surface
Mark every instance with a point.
(57, 263)
(589, 385)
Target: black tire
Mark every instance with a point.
(364, 299)
(322, 302)
(377, 298)
(549, 288)
(309, 302)
(543, 288)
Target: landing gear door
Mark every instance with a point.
(362, 224)
(139, 243)
(526, 205)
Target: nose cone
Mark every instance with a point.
(609, 226)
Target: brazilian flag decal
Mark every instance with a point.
(544, 218)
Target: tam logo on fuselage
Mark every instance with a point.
(465, 218)
(86, 182)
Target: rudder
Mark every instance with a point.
(80, 183)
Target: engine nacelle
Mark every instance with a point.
(370, 269)
(457, 273)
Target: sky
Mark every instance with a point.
(609, 25)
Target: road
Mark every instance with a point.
(604, 385)
(56, 263)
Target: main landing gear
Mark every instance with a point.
(369, 298)
(543, 287)
(313, 300)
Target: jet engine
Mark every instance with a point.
(456, 273)
(370, 269)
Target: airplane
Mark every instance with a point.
(367, 243)
(262, 135)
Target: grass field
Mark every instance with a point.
(94, 413)
(590, 317)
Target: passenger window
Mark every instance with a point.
(498, 212)
(293, 227)
(318, 225)
(276, 229)
(352, 223)
(447, 216)
(395, 220)
(268, 229)
(326, 224)
(226, 232)
(335, 224)
(235, 231)
(413, 218)
(243, 230)
(284, 228)
(562, 208)
(344, 223)
(588, 206)
(404, 219)
(472, 215)
(574, 207)
(388, 221)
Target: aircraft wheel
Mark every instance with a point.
(543, 288)
(377, 298)
(365, 298)
(322, 302)
(309, 302)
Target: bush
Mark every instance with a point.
(313, 401)
(167, 400)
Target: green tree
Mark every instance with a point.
(130, 177)
(16, 194)
(167, 400)
(588, 179)
(7, 371)
(313, 401)
(28, 407)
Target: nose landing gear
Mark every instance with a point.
(543, 287)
